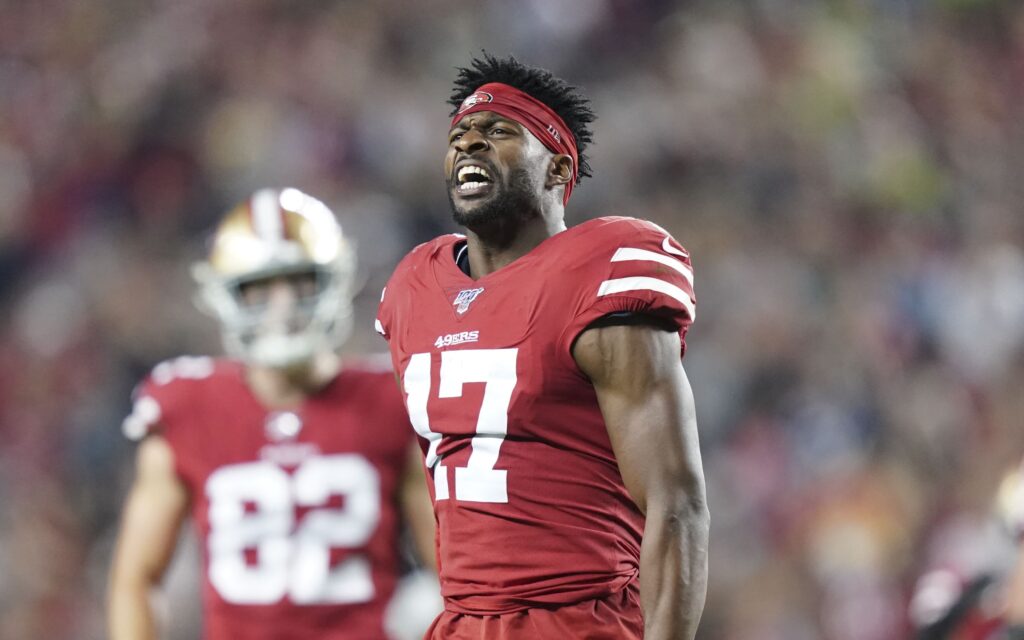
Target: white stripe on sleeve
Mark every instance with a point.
(626, 254)
(640, 283)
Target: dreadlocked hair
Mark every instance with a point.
(561, 97)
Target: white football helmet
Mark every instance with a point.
(279, 233)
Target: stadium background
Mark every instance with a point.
(847, 174)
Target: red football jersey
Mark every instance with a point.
(530, 505)
(296, 509)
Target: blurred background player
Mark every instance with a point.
(975, 588)
(297, 469)
(541, 367)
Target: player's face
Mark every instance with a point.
(494, 169)
(278, 301)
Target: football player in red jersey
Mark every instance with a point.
(542, 371)
(296, 468)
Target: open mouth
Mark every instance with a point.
(473, 179)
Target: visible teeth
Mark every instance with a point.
(465, 171)
(472, 185)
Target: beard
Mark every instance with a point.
(500, 215)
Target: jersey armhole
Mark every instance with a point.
(619, 319)
(629, 318)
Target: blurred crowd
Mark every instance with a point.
(848, 175)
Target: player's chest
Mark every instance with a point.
(258, 455)
(493, 313)
(488, 375)
(245, 433)
(482, 341)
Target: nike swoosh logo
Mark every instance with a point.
(667, 247)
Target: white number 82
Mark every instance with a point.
(293, 564)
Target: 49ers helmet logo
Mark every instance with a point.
(474, 99)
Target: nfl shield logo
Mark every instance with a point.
(466, 298)
(282, 425)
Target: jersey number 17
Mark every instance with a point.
(478, 481)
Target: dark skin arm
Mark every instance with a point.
(647, 405)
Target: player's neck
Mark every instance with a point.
(281, 388)
(488, 254)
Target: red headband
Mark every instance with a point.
(529, 112)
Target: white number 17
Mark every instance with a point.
(478, 481)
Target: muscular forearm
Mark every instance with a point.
(647, 404)
(130, 612)
(674, 570)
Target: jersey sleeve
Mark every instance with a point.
(383, 320)
(393, 308)
(161, 404)
(156, 407)
(634, 267)
(153, 406)
(388, 309)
